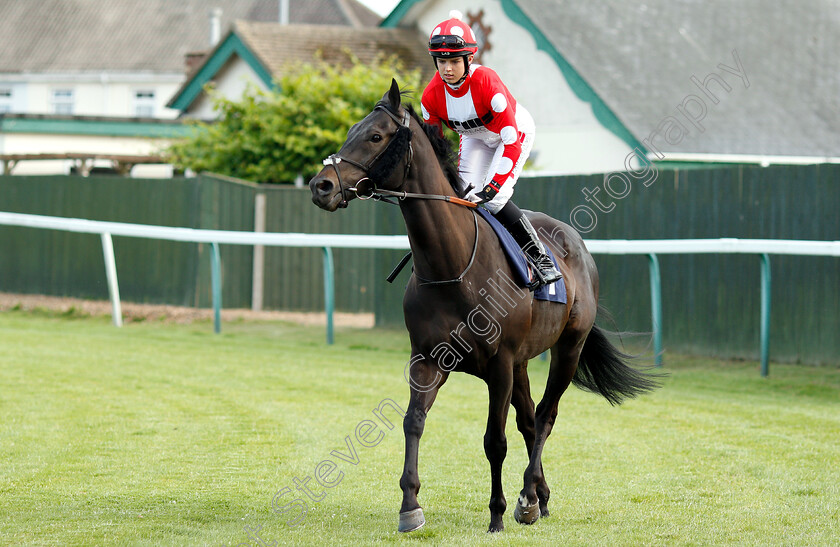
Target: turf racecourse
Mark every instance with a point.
(161, 434)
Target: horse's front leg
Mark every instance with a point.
(425, 379)
(500, 388)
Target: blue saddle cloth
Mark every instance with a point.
(555, 292)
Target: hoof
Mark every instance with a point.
(412, 520)
(524, 513)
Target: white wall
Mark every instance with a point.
(17, 101)
(569, 138)
(95, 94)
(32, 143)
(230, 81)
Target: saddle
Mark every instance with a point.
(554, 292)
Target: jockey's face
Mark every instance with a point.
(452, 70)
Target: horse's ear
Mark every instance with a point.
(394, 95)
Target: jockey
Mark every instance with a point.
(496, 133)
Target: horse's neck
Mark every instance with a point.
(441, 233)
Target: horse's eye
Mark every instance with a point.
(376, 138)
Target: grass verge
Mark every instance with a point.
(161, 434)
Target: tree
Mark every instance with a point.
(272, 136)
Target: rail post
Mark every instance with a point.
(329, 292)
(216, 283)
(656, 308)
(765, 315)
(111, 275)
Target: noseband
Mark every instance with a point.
(400, 136)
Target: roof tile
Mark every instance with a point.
(49, 36)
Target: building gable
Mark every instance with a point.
(231, 46)
(268, 49)
(579, 86)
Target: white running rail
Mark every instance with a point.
(650, 247)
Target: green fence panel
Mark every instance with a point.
(294, 276)
(225, 204)
(61, 263)
(711, 303)
(66, 264)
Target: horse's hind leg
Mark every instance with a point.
(524, 405)
(564, 361)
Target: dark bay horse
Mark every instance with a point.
(463, 311)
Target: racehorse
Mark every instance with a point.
(462, 310)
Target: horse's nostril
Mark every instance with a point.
(324, 186)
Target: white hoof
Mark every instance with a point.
(524, 513)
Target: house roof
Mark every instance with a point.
(639, 59)
(279, 45)
(138, 35)
(92, 125)
(269, 48)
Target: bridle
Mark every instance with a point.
(379, 194)
(335, 159)
(383, 195)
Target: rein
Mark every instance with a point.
(378, 194)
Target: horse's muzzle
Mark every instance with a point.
(325, 193)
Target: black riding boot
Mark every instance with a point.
(523, 232)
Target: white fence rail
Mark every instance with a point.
(651, 248)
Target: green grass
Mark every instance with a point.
(160, 434)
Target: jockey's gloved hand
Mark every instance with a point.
(488, 193)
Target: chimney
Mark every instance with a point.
(284, 12)
(215, 26)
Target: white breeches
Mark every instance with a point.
(478, 163)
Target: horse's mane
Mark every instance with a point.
(444, 151)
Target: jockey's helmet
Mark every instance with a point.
(452, 38)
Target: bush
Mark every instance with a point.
(271, 137)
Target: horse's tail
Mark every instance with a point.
(603, 369)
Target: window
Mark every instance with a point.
(5, 99)
(144, 103)
(63, 101)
